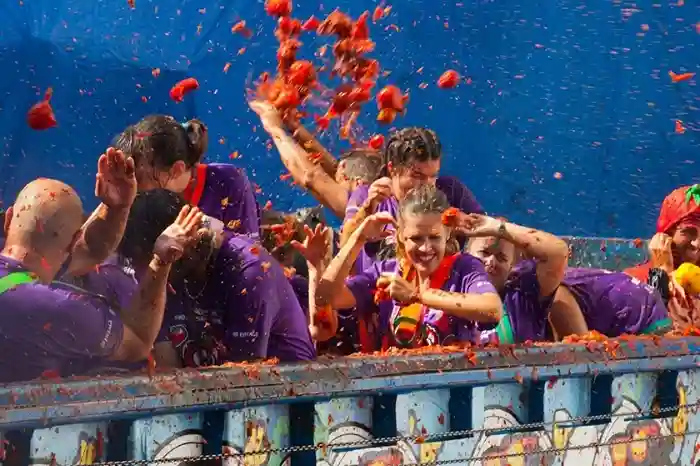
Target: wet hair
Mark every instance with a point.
(411, 145)
(151, 213)
(268, 237)
(160, 140)
(361, 164)
(425, 199)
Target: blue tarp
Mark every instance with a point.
(565, 86)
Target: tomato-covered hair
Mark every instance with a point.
(410, 145)
(425, 199)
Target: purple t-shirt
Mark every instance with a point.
(246, 310)
(52, 332)
(457, 194)
(467, 276)
(525, 313)
(614, 303)
(114, 280)
(300, 285)
(229, 196)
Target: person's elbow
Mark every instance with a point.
(493, 307)
(132, 348)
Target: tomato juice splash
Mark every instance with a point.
(297, 84)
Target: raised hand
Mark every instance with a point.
(373, 228)
(475, 225)
(115, 183)
(171, 244)
(269, 116)
(315, 246)
(399, 289)
(379, 190)
(661, 253)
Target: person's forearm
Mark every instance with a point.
(351, 225)
(313, 146)
(333, 279)
(323, 323)
(101, 235)
(144, 315)
(537, 244)
(308, 175)
(486, 308)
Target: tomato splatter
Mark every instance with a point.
(679, 128)
(41, 115)
(676, 78)
(376, 142)
(450, 216)
(448, 80)
(180, 89)
(278, 7)
(390, 102)
(311, 24)
(240, 28)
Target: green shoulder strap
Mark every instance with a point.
(14, 279)
(504, 330)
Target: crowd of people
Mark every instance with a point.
(179, 265)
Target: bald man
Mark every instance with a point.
(56, 332)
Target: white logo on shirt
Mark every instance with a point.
(107, 334)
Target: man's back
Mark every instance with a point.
(50, 332)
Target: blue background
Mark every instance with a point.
(557, 86)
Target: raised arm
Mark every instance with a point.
(307, 140)
(101, 233)
(143, 318)
(332, 289)
(317, 251)
(550, 252)
(309, 175)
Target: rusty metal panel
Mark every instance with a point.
(243, 385)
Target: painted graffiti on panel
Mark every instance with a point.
(185, 444)
(86, 451)
(517, 449)
(626, 440)
(404, 452)
(257, 448)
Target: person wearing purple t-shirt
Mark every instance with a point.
(424, 296)
(56, 332)
(168, 155)
(527, 289)
(230, 300)
(612, 303)
(412, 157)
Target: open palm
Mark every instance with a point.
(115, 183)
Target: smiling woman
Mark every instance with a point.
(424, 296)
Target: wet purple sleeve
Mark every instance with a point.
(246, 207)
(357, 198)
(254, 303)
(362, 287)
(473, 276)
(88, 327)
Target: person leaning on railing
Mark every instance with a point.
(427, 295)
(55, 332)
(527, 287)
(230, 300)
